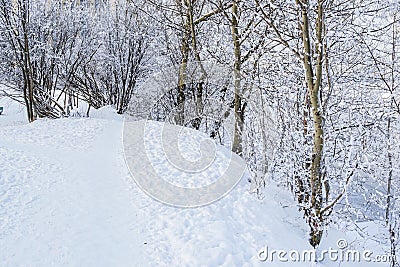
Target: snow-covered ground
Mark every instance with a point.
(67, 198)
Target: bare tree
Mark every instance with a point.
(15, 15)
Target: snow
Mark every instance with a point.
(67, 198)
(13, 113)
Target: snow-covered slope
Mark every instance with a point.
(67, 199)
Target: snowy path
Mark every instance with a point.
(76, 195)
(67, 199)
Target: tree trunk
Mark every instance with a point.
(237, 146)
(196, 122)
(313, 82)
(180, 112)
(27, 66)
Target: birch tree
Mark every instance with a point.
(313, 32)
